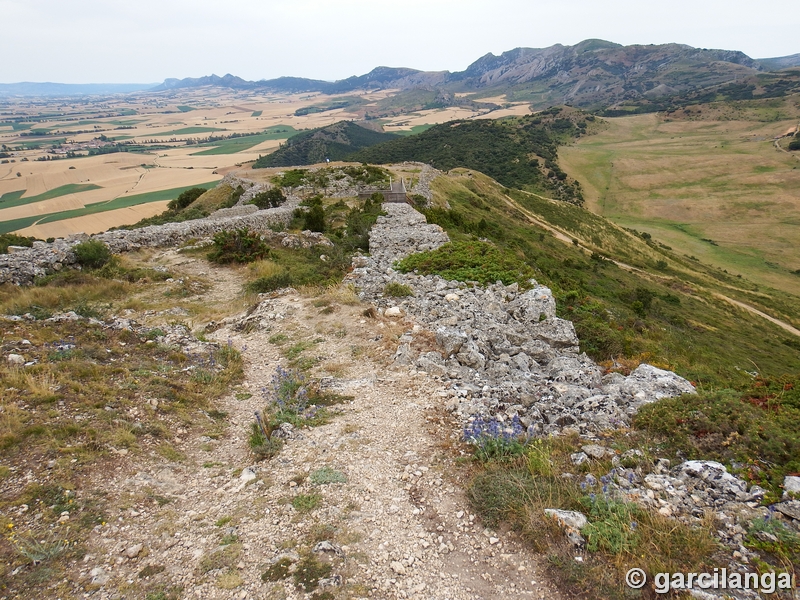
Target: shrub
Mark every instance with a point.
(314, 219)
(397, 290)
(306, 502)
(186, 198)
(613, 525)
(469, 261)
(272, 198)
(239, 246)
(12, 239)
(270, 283)
(92, 254)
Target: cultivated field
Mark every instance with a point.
(709, 182)
(60, 164)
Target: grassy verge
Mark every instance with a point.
(517, 487)
(88, 396)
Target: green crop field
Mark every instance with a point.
(10, 199)
(98, 207)
(716, 189)
(234, 145)
(185, 108)
(188, 131)
(27, 145)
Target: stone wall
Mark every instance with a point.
(505, 355)
(23, 265)
(503, 349)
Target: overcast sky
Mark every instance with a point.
(144, 41)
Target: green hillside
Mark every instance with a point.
(333, 142)
(657, 306)
(518, 152)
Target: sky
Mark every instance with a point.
(147, 41)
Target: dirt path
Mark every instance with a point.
(782, 324)
(788, 133)
(560, 235)
(399, 527)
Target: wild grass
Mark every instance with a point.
(397, 290)
(619, 536)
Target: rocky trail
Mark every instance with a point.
(398, 526)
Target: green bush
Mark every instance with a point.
(239, 246)
(12, 239)
(397, 290)
(291, 178)
(314, 219)
(92, 254)
(612, 525)
(469, 261)
(272, 198)
(263, 285)
(794, 145)
(186, 198)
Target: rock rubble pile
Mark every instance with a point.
(24, 265)
(504, 354)
(503, 350)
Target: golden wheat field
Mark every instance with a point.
(50, 187)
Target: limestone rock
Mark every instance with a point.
(568, 518)
(393, 312)
(16, 359)
(791, 484)
(450, 340)
(789, 508)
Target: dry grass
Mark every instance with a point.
(263, 268)
(84, 398)
(701, 179)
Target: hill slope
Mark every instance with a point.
(333, 142)
(518, 152)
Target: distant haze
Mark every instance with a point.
(98, 41)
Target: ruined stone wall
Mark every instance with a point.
(23, 265)
(506, 356)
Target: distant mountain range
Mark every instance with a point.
(593, 73)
